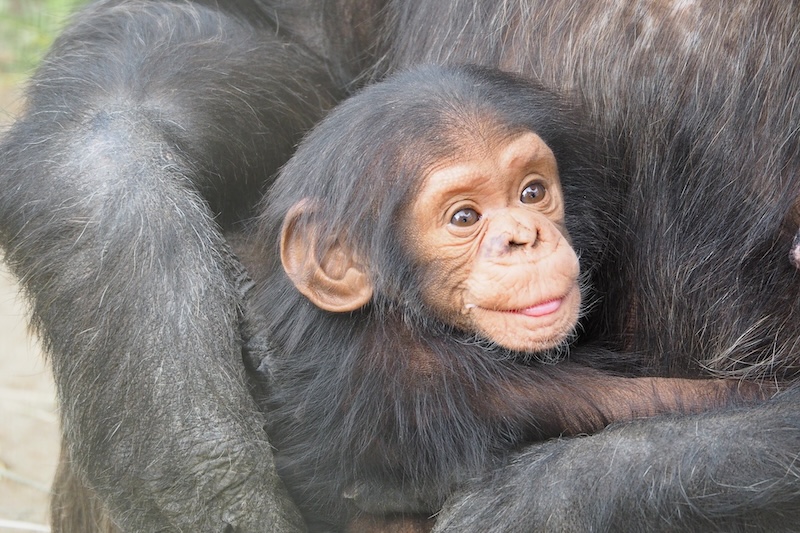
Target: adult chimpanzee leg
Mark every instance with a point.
(726, 471)
(146, 121)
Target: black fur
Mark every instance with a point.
(150, 131)
(114, 188)
(348, 403)
(700, 112)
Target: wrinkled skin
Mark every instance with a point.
(493, 227)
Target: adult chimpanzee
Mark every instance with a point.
(424, 219)
(150, 130)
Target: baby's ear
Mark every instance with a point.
(332, 279)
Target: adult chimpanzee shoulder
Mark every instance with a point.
(151, 132)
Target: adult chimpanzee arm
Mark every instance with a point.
(146, 121)
(698, 473)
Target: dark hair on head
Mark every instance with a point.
(362, 164)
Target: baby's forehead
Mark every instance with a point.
(469, 166)
(466, 144)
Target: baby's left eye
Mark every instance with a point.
(533, 193)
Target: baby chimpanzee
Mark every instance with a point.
(420, 282)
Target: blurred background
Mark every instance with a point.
(28, 418)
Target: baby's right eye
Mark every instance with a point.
(465, 217)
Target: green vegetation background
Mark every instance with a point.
(27, 28)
